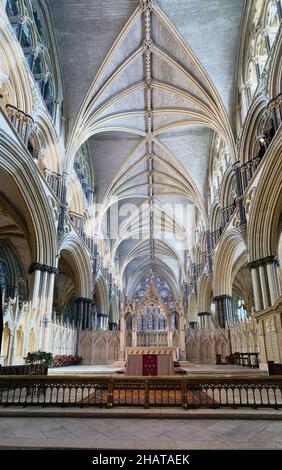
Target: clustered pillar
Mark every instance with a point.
(223, 310)
(205, 320)
(84, 313)
(42, 300)
(265, 280)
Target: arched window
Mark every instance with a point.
(11, 8)
(272, 22)
(239, 309)
(151, 318)
(159, 284)
(35, 43)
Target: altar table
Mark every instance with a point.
(149, 365)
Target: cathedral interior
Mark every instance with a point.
(141, 181)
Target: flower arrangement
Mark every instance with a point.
(39, 357)
(64, 361)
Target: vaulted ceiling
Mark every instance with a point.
(148, 83)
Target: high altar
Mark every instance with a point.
(150, 325)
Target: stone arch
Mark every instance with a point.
(215, 216)
(228, 188)
(74, 249)
(252, 128)
(230, 247)
(266, 209)
(206, 351)
(113, 313)
(222, 347)
(51, 155)
(17, 167)
(204, 293)
(16, 81)
(113, 349)
(99, 351)
(101, 293)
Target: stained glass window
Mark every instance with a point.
(151, 319)
(11, 8)
(159, 284)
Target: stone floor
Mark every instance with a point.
(201, 369)
(138, 433)
(85, 370)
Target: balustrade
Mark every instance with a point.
(226, 214)
(77, 221)
(55, 181)
(110, 391)
(214, 237)
(21, 121)
(248, 170)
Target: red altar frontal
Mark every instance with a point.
(149, 364)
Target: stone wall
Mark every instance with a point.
(203, 345)
(64, 340)
(98, 347)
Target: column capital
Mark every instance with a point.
(83, 299)
(43, 268)
(222, 297)
(263, 262)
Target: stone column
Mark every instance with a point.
(182, 337)
(83, 312)
(122, 338)
(273, 280)
(256, 287)
(134, 331)
(205, 320)
(223, 310)
(266, 282)
(264, 286)
(49, 307)
(42, 299)
(36, 285)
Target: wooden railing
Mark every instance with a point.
(25, 369)
(110, 391)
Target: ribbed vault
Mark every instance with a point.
(150, 114)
